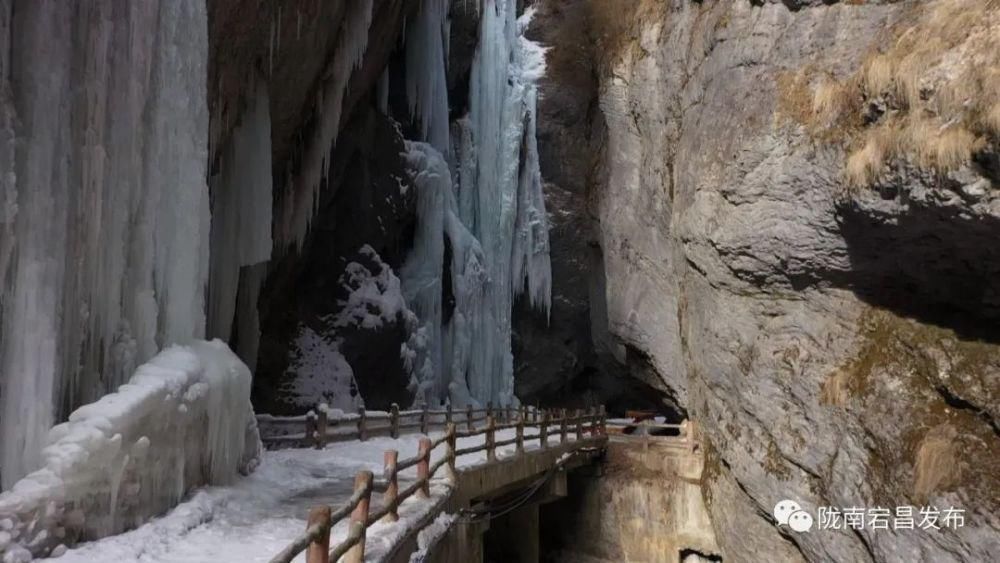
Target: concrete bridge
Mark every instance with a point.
(463, 511)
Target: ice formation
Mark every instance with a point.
(302, 191)
(181, 421)
(104, 222)
(426, 78)
(445, 358)
(493, 215)
(241, 227)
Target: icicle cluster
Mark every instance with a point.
(302, 191)
(492, 215)
(104, 209)
(426, 77)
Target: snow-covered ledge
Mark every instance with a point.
(183, 420)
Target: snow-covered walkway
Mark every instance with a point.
(257, 516)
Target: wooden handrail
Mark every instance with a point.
(356, 533)
(315, 540)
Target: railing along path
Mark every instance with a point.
(315, 541)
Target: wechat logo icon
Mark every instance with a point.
(789, 513)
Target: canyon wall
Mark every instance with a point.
(814, 286)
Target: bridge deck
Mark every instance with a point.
(254, 518)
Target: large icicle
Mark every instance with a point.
(426, 77)
(241, 226)
(106, 261)
(302, 191)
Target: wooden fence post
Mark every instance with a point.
(424, 419)
(362, 481)
(562, 426)
(520, 435)
(603, 424)
(311, 427)
(452, 446)
(361, 424)
(394, 421)
(543, 430)
(447, 414)
(578, 416)
(489, 409)
(392, 489)
(319, 549)
(491, 453)
(423, 467)
(321, 423)
(468, 418)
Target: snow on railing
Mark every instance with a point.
(315, 541)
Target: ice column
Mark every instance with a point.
(500, 189)
(241, 226)
(103, 206)
(444, 361)
(491, 212)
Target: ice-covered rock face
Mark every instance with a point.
(183, 420)
(839, 350)
(105, 213)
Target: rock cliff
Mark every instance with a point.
(832, 330)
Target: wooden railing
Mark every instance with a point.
(315, 541)
(318, 427)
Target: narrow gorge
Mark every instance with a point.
(768, 222)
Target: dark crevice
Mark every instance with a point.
(956, 402)
(685, 553)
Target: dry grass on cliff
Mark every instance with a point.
(615, 25)
(935, 465)
(932, 97)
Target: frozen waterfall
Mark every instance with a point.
(104, 221)
(490, 211)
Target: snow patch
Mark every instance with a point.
(134, 453)
(319, 372)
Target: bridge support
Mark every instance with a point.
(514, 536)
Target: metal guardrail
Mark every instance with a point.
(315, 541)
